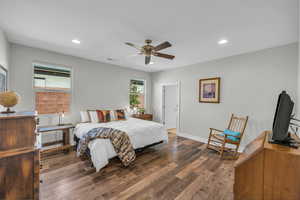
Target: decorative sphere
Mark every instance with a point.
(9, 99)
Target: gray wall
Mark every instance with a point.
(95, 84)
(4, 53)
(250, 84)
(298, 86)
(4, 50)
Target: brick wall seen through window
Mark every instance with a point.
(52, 89)
(52, 102)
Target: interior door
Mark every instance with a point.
(170, 106)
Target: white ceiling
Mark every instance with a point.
(192, 26)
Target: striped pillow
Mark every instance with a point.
(113, 115)
(120, 114)
(103, 115)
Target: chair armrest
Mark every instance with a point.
(214, 129)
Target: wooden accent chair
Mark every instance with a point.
(217, 139)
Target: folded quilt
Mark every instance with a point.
(119, 139)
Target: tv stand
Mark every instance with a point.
(267, 171)
(289, 142)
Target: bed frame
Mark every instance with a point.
(88, 155)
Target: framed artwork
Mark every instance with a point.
(3, 79)
(209, 90)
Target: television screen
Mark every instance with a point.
(282, 118)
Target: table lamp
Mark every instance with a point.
(60, 118)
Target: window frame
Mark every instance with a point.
(145, 90)
(35, 90)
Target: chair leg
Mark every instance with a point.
(209, 138)
(222, 149)
(236, 151)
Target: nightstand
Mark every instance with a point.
(148, 117)
(65, 129)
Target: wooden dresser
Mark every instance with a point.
(19, 159)
(267, 171)
(143, 116)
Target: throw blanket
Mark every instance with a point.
(119, 140)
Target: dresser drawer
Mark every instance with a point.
(19, 172)
(17, 133)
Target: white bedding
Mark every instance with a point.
(140, 132)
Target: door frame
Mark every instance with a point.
(178, 84)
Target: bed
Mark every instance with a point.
(142, 133)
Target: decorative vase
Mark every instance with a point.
(9, 99)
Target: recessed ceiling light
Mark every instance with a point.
(75, 41)
(222, 41)
(151, 63)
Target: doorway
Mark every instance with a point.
(171, 107)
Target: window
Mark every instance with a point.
(137, 94)
(52, 86)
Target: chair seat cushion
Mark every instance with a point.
(230, 135)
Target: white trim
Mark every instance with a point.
(192, 137)
(178, 84)
(200, 139)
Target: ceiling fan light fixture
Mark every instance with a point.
(148, 50)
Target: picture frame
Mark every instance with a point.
(209, 90)
(3, 79)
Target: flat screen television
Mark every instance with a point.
(282, 119)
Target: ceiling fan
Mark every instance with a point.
(148, 50)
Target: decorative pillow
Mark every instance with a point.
(128, 112)
(120, 114)
(230, 135)
(103, 115)
(113, 115)
(84, 115)
(93, 116)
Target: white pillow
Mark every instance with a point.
(84, 115)
(93, 116)
(128, 112)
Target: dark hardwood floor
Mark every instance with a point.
(182, 169)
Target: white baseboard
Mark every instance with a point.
(192, 137)
(200, 139)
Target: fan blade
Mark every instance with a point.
(162, 46)
(147, 60)
(163, 55)
(132, 45)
